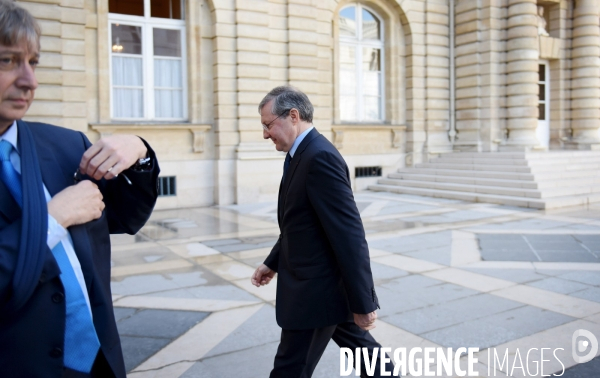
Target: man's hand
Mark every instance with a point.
(76, 204)
(365, 321)
(262, 275)
(112, 155)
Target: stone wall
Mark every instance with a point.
(239, 49)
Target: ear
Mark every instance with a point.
(294, 115)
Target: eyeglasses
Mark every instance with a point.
(267, 127)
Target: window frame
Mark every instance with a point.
(359, 43)
(147, 23)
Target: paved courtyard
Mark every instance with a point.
(448, 274)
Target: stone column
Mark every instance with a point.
(585, 76)
(522, 78)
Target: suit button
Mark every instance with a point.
(58, 297)
(56, 353)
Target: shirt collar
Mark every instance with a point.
(11, 135)
(299, 140)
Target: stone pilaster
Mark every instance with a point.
(438, 77)
(585, 76)
(522, 79)
(560, 76)
(492, 53)
(468, 80)
(415, 85)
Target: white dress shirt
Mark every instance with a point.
(299, 140)
(56, 232)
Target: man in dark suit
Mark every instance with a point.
(56, 314)
(325, 288)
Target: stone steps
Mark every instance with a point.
(541, 180)
(533, 203)
(517, 184)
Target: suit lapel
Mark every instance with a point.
(55, 179)
(285, 184)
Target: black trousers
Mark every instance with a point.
(300, 350)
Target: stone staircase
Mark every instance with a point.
(540, 180)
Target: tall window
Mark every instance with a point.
(361, 65)
(147, 52)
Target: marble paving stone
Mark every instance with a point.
(247, 363)
(455, 216)
(159, 266)
(410, 283)
(442, 315)
(589, 278)
(211, 331)
(468, 279)
(404, 208)
(385, 273)
(413, 243)
(509, 255)
(136, 285)
(590, 241)
(567, 256)
(527, 224)
(362, 205)
(552, 338)
(137, 349)
(392, 302)
(587, 370)
(171, 371)
(123, 313)
(231, 270)
(591, 294)
(221, 242)
(498, 328)
(514, 275)
(444, 292)
(259, 329)
(395, 302)
(185, 304)
(548, 300)
(208, 292)
(159, 323)
(408, 264)
(438, 255)
(398, 234)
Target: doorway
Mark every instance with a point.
(543, 129)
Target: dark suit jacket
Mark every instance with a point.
(31, 342)
(321, 257)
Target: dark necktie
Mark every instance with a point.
(286, 165)
(81, 340)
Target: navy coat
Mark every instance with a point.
(321, 257)
(31, 342)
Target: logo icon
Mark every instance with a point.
(580, 346)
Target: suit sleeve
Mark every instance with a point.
(272, 261)
(330, 194)
(128, 207)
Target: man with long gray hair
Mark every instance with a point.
(325, 288)
(60, 197)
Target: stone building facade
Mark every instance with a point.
(394, 82)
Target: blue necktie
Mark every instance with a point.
(81, 340)
(8, 174)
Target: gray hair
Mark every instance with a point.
(287, 97)
(18, 25)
